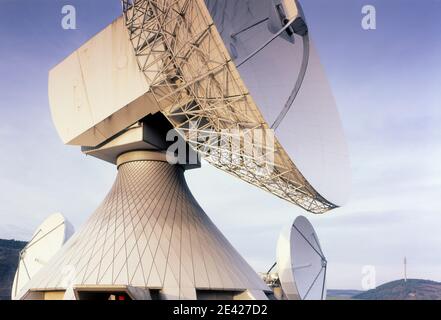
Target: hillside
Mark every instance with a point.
(338, 294)
(412, 289)
(9, 251)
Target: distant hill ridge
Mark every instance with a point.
(342, 294)
(412, 289)
(9, 253)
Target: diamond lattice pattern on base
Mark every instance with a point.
(150, 232)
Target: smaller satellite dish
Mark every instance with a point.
(45, 243)
(301, 262)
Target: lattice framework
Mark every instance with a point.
(198, 88)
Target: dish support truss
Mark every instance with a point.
(198, 88)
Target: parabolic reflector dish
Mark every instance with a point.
(246, 65)
(301, 263)
(48, 238)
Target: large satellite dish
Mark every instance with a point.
(225, 75)
(46, 241)
(211, 67)
(301, 263)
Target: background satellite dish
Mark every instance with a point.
(48, 238)
(301, 263)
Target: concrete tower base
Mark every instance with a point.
(149, 239)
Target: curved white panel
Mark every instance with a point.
(311, 131)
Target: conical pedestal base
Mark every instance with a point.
(149, 239)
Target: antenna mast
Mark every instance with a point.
(405, 269)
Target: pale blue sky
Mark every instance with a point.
(387, 84)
